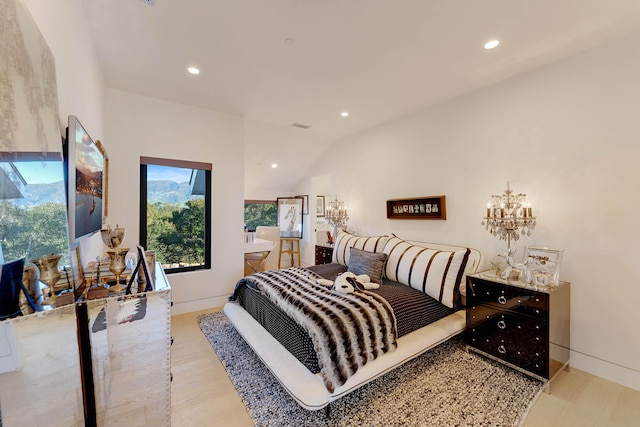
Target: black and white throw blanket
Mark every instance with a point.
(347, 330)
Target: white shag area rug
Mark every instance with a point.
(446, 386)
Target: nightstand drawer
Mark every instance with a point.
(517, 346)
(507, 322)
(500, 297)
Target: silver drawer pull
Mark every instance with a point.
(502, 324)
(501, 349)
(502, 299)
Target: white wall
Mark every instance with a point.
(141, 126)
(293, 149)
(130, 126)
(567, 135)
(266, 144)
(81, 88)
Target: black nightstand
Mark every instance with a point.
(323, 254)
(523, 327)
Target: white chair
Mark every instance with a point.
(272, 234)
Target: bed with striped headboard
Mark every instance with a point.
(423, 282)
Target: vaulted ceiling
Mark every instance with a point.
(303, 61)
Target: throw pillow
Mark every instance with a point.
(345, 241)
(369, 263)
(437, 273)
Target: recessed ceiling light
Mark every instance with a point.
(344, 114)
(193, 70)
(491, 44)
(274, 165)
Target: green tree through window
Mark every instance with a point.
(33, 209)
(175, 206)
(260, 212)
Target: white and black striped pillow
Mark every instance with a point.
(435, 272)
(345, 241)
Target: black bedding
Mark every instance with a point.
(412, 309)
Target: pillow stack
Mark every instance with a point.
(436, 272)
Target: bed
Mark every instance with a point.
(427, 310)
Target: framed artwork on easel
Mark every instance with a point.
(290, 211)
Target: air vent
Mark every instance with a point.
(300, 125)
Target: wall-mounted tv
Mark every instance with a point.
(86, 180)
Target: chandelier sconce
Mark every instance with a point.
(509, 216)
(336, 215)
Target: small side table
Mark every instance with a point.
(324, 254)
(524, 327)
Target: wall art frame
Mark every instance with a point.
(77, 272)
(320, 207)
(290, 217)
(105, 184)
(430, 207)
(86, 163)
(305, 209)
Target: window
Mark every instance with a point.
(175, 212)
(260, 212)
(33, 206)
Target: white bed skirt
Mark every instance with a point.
(308, 389)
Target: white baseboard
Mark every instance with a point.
(607, 370)
(197, 305)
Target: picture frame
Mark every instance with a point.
(105, 183)
(85, 163)
(77, 272)
(430, 207)
(290, 217)
(544, 264)
(305, 204)
(320, 208)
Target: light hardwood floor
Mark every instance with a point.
(202, 395)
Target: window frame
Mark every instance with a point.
(207, 167)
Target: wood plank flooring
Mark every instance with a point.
(202, 395)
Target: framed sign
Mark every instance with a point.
(432, 207)
(290, 216)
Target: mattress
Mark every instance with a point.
(412, 309)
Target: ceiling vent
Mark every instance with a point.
(300, 125)
(149, 2)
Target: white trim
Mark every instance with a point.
(605, 369)
(199, 304)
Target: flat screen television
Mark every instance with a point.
(85, 170)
